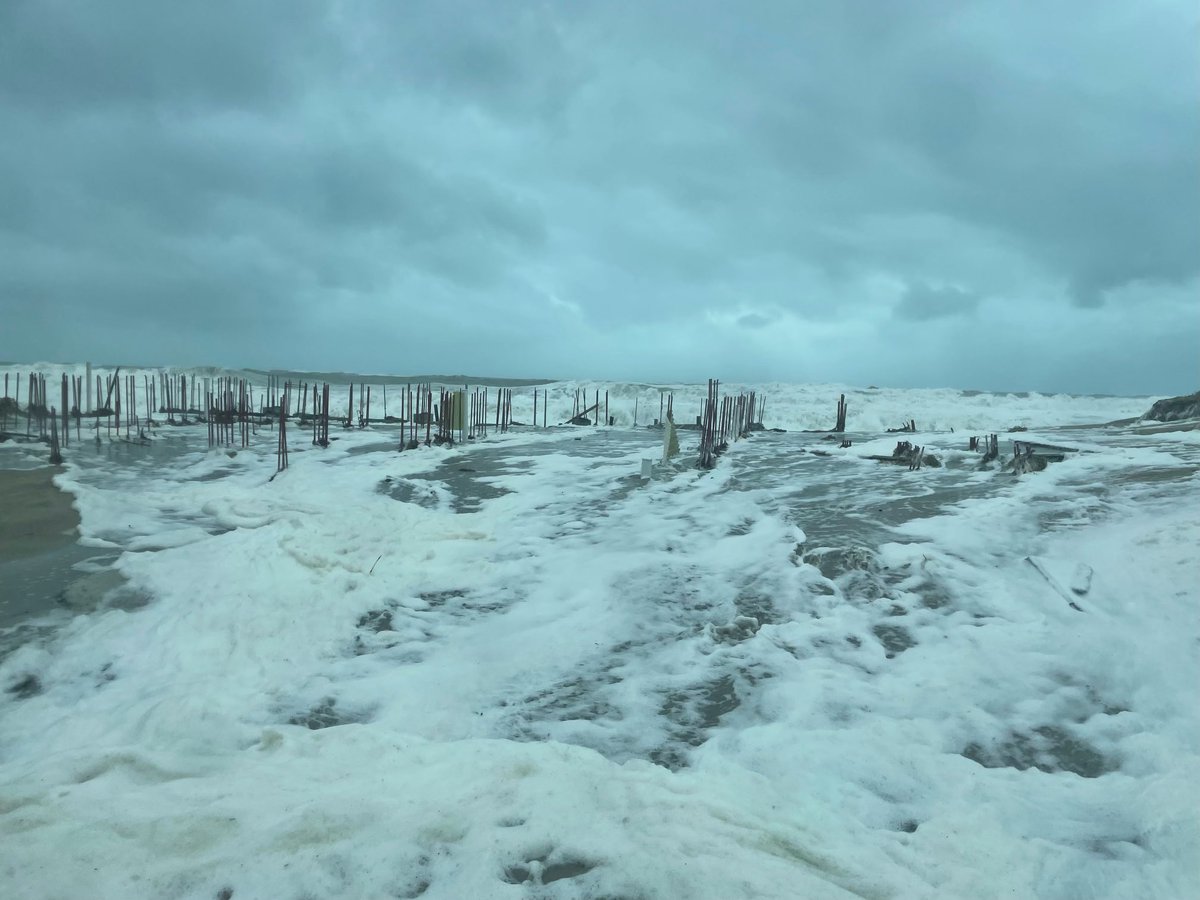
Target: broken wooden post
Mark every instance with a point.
(840, 425)
(55, 454)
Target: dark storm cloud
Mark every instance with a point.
(922, 302)
(755, 320)
(586, 177)
(90, 56)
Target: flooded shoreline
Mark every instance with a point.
(38, 517)
(38, 544)
(532, 597)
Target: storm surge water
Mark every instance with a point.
(516, 668)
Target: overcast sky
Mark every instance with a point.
(999, 195)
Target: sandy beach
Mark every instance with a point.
(38, 531)
(37, 518)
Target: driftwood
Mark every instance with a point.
(1080, 581)
(908, 454)
(1031, 457)
(582, 417)
(1053, 452)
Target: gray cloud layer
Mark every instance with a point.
(978, 194)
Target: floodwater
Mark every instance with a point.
(46, 574)
(828, 623)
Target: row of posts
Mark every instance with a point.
(231, 401)
(228, 410)
(724, 419)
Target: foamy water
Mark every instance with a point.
(517, 669)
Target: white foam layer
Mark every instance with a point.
(622, 688)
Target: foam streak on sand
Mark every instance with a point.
(517, 669)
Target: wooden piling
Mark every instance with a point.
(55, 453)
(77, 385)
(281, 461)
(66, 427)
(428, 413)
(707, 426)
(117, 405)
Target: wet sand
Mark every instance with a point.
(38, 550)
(37, 517)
